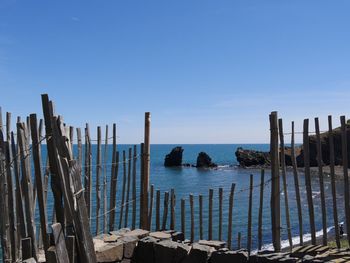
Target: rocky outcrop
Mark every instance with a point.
(204, 161)
(174, 158)
(248, 158)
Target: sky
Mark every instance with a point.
(208, 71)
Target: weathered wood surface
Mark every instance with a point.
(158, 210)
(114, 178)
(98, 186)
(261, 207)
(165, 210)
(229, 225)
(134, 160)
(146, 171)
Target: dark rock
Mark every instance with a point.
(204, 161)
(198, 254)
(164, 251)
(182, 251)
(178, 236)
(248, 158)
(226, 256)
(144, 252)
(174, 158)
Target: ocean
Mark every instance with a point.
(190, 180)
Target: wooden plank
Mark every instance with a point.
(275, 184)
(306, 151)
(220, 213)
(88, 170)
(36, 149)
(70, 244)
(114, 178)
(165, 211)
(320, 176)
(80, 147)
(150, 207)
(250, 208)
(98, 186)
(8, 126)
(105, 159)
(55, 182)
(60, 243)
(134, 160)
(146, 175)
(332, 172)
(344, 143)
(128, 190)
(192, 217)
(284, 180)
(183, 215)
(26, 244)
(51, 255)
(296, 186)
(261, 205)
(200, 199)
(123, 192)
(158, 210)
(27, 186)
(229, 224)
(210, 215)
(172, 209)
(71, 139)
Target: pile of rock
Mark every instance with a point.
(174, 159)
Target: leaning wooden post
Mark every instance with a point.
(210, 215)
(128, 190)
(284, 179)
(88, 170)
(146, 158)
(134, 188)
(105, 158)
(250, 207)
(275, 184)
(114, 177)
(201, 217)
(38, 177)
(158, 211)
(334, 193)
(80, 147)
(123, 192)
(306, 150)
(320, 176)
(151, 207)
(98, 173)
(165, 211)
(192, 218)
(230, 207)
(183, 221)
(220, 213)
(344, 144)
(261, 204)
(172, 209)
(296, 186)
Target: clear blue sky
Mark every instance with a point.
(208, 71)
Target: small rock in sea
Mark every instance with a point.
(204, 161)
(174, 158)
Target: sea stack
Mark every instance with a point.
(174, 158)
(204, 161)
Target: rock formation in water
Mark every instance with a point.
(204, 161)
(174, 158)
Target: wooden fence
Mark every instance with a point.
(24, 185)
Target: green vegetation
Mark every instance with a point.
(343, 243)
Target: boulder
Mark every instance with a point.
(174, 158)
(198, 254)
(144, 252)
(227, 256)
(109, 252)
(248, 158)
(204, 161)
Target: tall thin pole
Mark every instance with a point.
(146, 157)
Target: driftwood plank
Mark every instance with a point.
(60, 243)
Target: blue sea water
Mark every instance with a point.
(189, 180)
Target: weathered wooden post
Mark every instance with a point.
(158, 210)
(150, 216)
(183, 221)
(114, 177)
(123, 191)
(172, 209)
(192, 217)
(261, 205)
(229, 228)
(165, 211)
(134, 188)
(146, 163)
(128, 189)
(250, 208)
(105, 157)
(210, 215)
(200, 216)
(98, 173)
(275, 184)
(220, 213)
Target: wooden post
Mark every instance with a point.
(80, 147)
(114, 177)
(158, 210)
(296, 186)
(229, 228)
(151, 208)
(344, 144)
(210, 215)
(61, 249)
(183, 213)
(250, 207)
(284, 179)
(71, 138)
(142, 168)
(27, 186)
(334, 193)
(308, 180)
(134, 190)
(192, 218)
(275, 184)
(70, 244)
(97, 187)
(105, 158)
(200, 217)
(146, 157)
(261, 204)
(172, 209)
(239, 240)
(38, 178)
(220, 212)
(128, 189)
(165, 211)
(88, 170)
(320, 175)
(27, 248)
(55, 182)
(123, 191)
